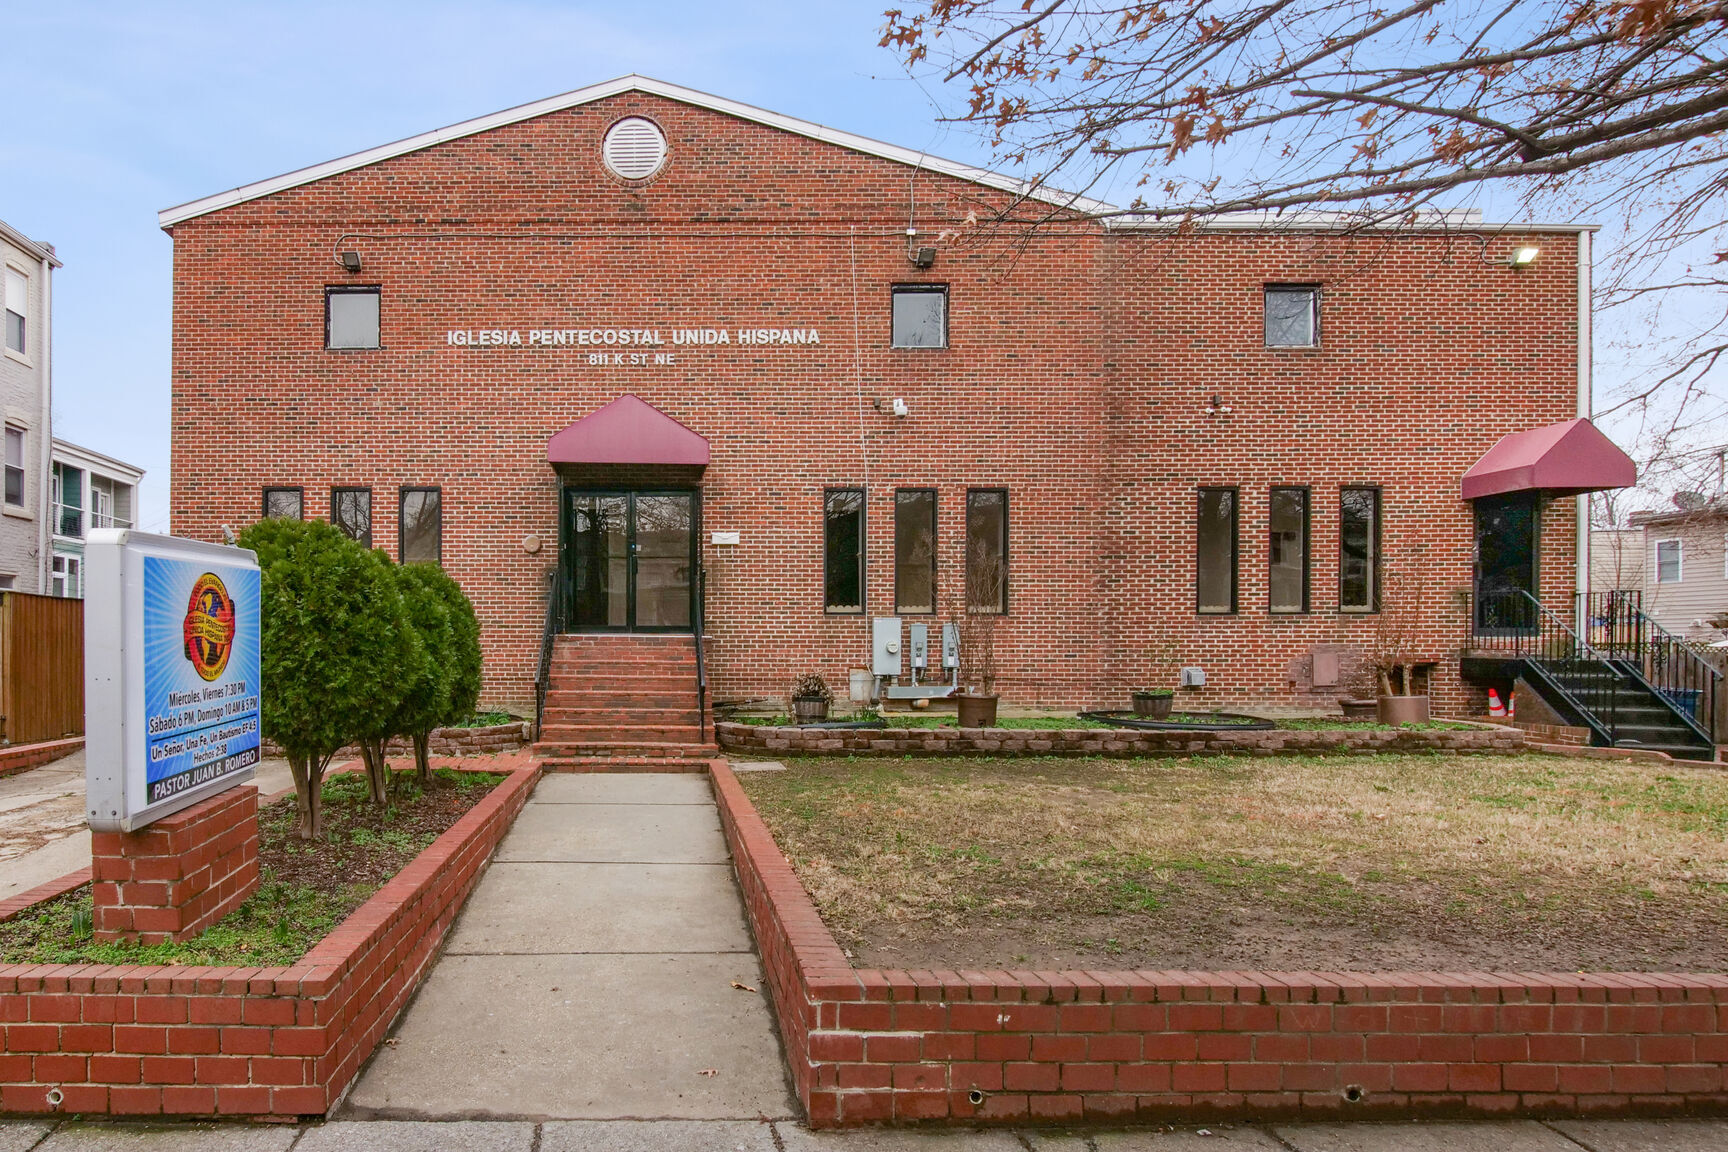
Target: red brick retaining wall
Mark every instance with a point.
(175, 878)
(877, 1046)
(735, 737)
(21, 757)
(260, 1042)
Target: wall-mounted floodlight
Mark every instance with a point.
(900, 408)
(1523, 257)
(350, 261)
(922, 257)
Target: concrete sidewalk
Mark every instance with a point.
(602, 969)
(784, 1136)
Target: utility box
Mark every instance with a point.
(950, 646)
(920, 647)
(1193, 677)
(885, 646)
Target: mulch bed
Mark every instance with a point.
(307, 888)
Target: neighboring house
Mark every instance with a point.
(1616, 559)
(89, 490)
(1685, 564)
(26, 385)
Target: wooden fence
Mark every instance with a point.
(41, 667)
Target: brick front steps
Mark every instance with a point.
(623, 703)
(264, 1043)
(735, 737)
(882, 1046)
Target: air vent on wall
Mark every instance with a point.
(634, 149)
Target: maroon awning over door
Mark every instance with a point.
(627, 431)
(1562, 459)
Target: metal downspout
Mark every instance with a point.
(1581, 579)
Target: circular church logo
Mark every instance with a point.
(209, 627)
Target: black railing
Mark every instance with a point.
(1516, 624)
(701, 665)
(1617, 625)
(556, 598)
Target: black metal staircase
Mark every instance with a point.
(1619, 674)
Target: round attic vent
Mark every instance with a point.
(634, 148)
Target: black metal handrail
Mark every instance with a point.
(701, 665)
(555, 608)
(1667, 662)
(1517, 624)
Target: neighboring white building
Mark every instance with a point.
(26, 389)
(89, 490)
(1677, 559)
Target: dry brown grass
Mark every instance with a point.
(1388, 861)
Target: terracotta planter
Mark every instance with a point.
(1154, 705)
(1368, 709)
(1403, 709)
(977, 711)
(809, 711)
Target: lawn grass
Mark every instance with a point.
(305, 889)
(1389, 861)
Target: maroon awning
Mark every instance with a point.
(1563, 459)
(627, 431)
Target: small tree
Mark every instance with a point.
(450, 632)
(330, 617)
(1398, 631)
(419, 681)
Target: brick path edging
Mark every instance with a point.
(735, 737)
(873, 1046)
(16, 758)
(265, 1043)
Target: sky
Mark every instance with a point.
(128, 109)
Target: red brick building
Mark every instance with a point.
(1212, 448)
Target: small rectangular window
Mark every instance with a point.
(920, 315)
(987, 550)
(17, 310)
(843, 550)
(1215, 551)
(284, 504)
(15, 467)
(66, 577)
(351, 511)
(915, 550)
(1668, 561)
(1292, 316)
(351, 317)
(1287, 550)
(420, 526)
(1359, 549)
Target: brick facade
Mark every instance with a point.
(180, 875)
(1080, 368)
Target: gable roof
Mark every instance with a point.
(168, 217)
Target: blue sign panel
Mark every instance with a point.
(200, 624)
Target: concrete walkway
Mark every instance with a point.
(601, 970)
(783, 1136)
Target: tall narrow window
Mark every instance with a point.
(987, 550)
(1215, 551)
(420, 526)
(1287, 550)
(17, 310)
(351, 317)
(284, 504)
(920, 315)
(1359, 550)
(843, 550)
(15, 467)
(1292, 316)
(915, 550)
(351, 511)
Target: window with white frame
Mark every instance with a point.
(17, 311)
(67, 578)
(1668, 561)
(15, 467)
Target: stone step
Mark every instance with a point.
(619, 733)
(561, 750)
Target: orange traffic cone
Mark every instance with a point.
(1495, 708)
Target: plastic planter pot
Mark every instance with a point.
(809, 710)
(1403, 709)
(977, 711)
(1154, 705)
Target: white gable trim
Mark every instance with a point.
(633, 83)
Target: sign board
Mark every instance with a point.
(171, 632)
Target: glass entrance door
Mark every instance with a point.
(630, 560)
(1506, 534)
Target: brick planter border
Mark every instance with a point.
(761, 738)
(265, 1043)
(873, 1046)
(16, 758)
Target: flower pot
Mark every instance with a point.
(1154, 705)
(809, 711)
(1403, 709)
(977, 711)
(1368, 709)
